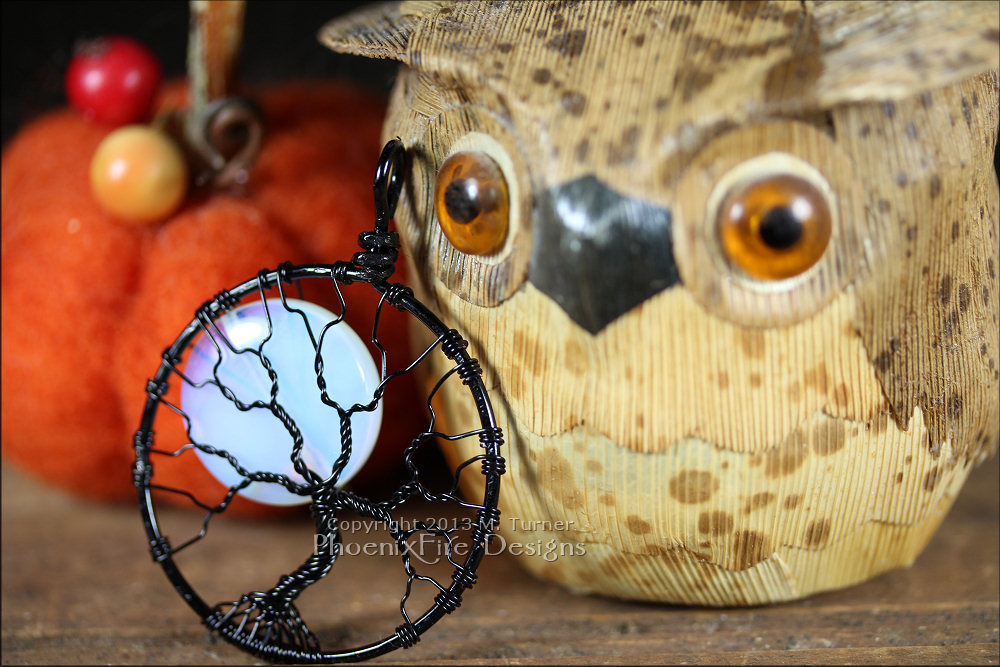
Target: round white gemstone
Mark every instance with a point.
(256, 437)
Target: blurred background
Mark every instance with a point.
(279, 43)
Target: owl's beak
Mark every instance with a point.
(597, 253)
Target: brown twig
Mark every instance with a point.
(222, 130)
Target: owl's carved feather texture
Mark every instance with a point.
(725, 441)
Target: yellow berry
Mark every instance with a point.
(139, 174)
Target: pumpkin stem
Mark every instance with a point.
(223, 131)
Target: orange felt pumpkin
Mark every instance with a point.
(89, 303)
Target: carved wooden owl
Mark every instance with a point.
(730, 269)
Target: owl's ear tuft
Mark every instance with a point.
(380, 30)
(890, 50)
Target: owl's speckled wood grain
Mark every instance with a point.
(708, 436)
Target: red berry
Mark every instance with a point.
(113, 80)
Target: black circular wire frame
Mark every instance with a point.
(291, 640)
(490, 437)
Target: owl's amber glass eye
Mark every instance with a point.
(472, 205)
(774, 228)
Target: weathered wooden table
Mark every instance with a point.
(79, 587)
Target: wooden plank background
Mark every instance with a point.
(78, 587)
